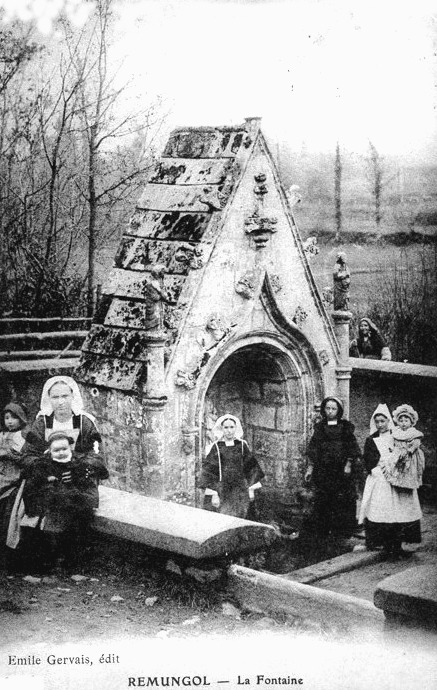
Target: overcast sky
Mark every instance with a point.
(314, 70)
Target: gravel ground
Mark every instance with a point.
(130, 592)
(122, 590)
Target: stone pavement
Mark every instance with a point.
(362, 581)
(337, 595)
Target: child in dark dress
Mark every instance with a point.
(230, 473)
(60, 491)
(333, 462)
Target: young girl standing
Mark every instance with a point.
(391, 514)
(230, 473)
(333, 454)
(12, 438)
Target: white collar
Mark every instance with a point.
(331, 422)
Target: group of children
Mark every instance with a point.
(394, 463)
(49, 473)
(48, 492)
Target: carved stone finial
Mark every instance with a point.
(342, 281)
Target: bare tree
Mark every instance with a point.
(50, 201)
(15, 51)
(375, 174)
(103, 128)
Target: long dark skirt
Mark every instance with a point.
(334, 513)
(6, 505)
(392, 534)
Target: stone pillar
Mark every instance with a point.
(154, 386)
(154, 401)
(343, 369)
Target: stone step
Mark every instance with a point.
(304, 605)
(410, 596)
(177, 528)
(334, 566)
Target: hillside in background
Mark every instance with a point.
(408, 195)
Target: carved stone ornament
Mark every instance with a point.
(212, 198)
(260, 228)
(260, 189)
(311, 247)
(185, 380)
(328, 295)
(173, 316)
(216, 326)
(324, 357)
(300, 315)
(197, 260)
(247, 284)
(275, 282)
(342, 281)
(188, 440)
(191, 257)
(216, 329)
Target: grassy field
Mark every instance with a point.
(369, 264)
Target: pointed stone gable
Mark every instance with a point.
(176, 224)
(173, 224)
(211, 307)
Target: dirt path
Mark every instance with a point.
(127, 592)
(121, 592)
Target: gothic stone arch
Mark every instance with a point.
(273, 383)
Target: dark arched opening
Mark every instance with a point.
(260, 384)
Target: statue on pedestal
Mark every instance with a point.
(342, 281)
(154, 296)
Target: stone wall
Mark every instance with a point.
(393, 384)
(257, 390)
(122, 425)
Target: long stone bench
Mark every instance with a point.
(410, 597)
(177, 528)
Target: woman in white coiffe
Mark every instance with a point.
(61, 409)
(391, 515)
(230, 472)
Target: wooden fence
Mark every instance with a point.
(41, 338)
